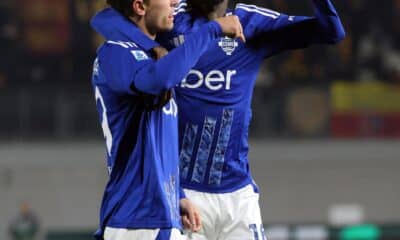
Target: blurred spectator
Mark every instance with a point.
(295, 67)
(25, 226)
(370, 51)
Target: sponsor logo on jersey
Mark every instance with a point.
(139, 55)
(171, 108)
(228, 45)
(214, 80)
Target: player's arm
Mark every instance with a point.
(190, 215)
(130, 70)
(130, 74)
(266, 27)
(172, 68)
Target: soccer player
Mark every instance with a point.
(215, 107)
(138, 113)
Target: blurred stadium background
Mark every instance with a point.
(325, 132)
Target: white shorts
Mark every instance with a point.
(228, 216)
(142, 234)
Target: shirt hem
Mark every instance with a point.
(143, 225)
(201, 188)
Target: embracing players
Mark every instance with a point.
(133, 83)
(215, 106)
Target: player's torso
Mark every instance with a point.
(214, 102)
(225, 74)
(142, 150)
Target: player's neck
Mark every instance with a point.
(220, 11)
(141, 24)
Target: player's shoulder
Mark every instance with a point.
(183, 20)
(183, 24)
(122, 49)
(244, 10)
(120, 45)
(182, 7)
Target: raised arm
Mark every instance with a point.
(128, 69)
(173, 67)
(276, 32)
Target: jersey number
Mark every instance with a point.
(104, 122)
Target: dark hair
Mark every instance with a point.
(202, 7)
(122, 6)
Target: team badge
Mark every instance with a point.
(229, 45)
(139, 55)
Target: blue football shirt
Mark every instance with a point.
(141, 141)
(215, 97)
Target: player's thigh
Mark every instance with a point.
(245, 218)
(142, 234)
(198, 236)
(205, 233)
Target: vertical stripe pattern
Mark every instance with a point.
(222, 144)
(203, 153)
(189, 139)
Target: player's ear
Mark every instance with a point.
(139, 7)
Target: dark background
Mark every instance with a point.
(324, 136)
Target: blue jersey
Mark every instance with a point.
(141, 140)
(215, 97)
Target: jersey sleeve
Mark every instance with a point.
(182, 194)
(181, 7)
(174, 38)
(119, 63)
(128, 70)
(172, 68)
(277, 31)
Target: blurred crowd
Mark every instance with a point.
(47, 50)
(371, 50)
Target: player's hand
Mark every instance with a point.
(231, 27)
(190, 215)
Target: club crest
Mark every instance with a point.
(228, 45)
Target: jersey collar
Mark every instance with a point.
(115, 27)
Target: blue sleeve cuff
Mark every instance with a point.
(182, 194)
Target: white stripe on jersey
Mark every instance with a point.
(262, 11)
(180, 8)
(179, 11)
(131, 44)
(260, 8)
(118, 43)
(123, 44)
(181, 4)
(258, 11)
